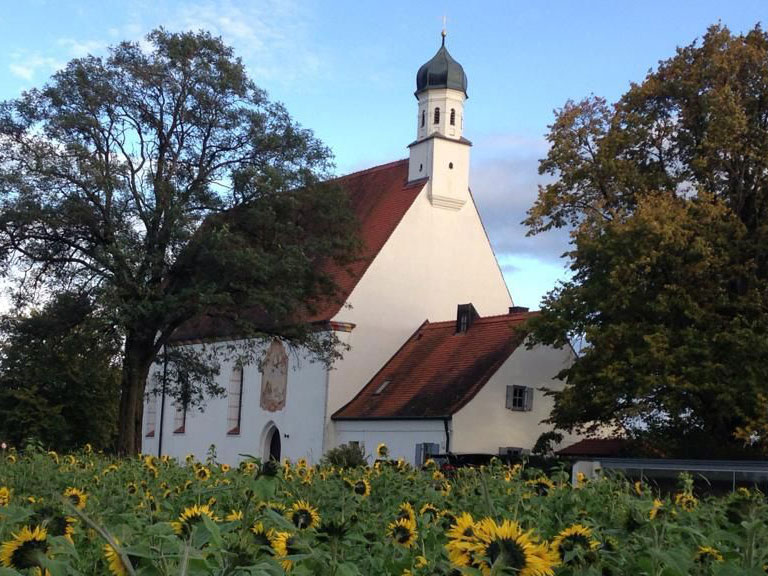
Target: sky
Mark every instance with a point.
(346, 69)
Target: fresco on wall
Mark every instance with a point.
(274, 378)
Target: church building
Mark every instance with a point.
(436, 359)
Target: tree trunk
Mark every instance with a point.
(139, 354)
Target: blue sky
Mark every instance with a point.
(347, 70)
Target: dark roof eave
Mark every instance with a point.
(366, 419)
(461, 140)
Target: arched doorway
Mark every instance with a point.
(272, 446)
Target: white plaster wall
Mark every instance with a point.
(433, 261)
(300, 422)
(400, 436)
(485, 424)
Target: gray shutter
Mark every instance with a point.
(419, 460)
(431, 449)
(529, 399)
(510, 395)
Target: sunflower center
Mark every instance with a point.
(401, 534)
(512, 554)
(575, 541)
(360, 488)
(28, 554)
(302, 519)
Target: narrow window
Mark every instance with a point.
(235, 395)
(423, 118)
(453, 117)
(437, 116)
(180, 418)
(382, 387)
(151, 415)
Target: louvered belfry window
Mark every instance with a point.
(437, 116)
(235, 396)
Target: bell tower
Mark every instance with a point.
(440, 151)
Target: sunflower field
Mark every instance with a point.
(86, 513)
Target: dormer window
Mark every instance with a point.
(437, 116)
(382, 387)
(453, 117)
(465, 317)
(423, 118)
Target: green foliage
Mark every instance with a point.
(665, 194)
(59, 380)
(345, 456)
(162, 181)
(546, 443)
(132, 504)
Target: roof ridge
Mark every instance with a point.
(372, 169)
(485, 319)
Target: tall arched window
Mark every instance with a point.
(150, 416)
(437, 116)
(453, 117)
(235, 395)
(423, 118)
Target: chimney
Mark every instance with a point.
(518, 309)
(465, 317)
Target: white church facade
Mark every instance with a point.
(425, 253)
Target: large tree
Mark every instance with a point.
(109, 170)
(56, 365)
(666, 196)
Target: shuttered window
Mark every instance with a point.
(424, 451)
(519, 398)
(235, 396)
(437, 116)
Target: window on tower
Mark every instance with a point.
(453, 117)
(437, 116)
(423, 118)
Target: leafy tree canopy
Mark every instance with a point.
(666, 196)
(108, 172)
(56, 365)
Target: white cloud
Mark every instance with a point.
(26, 65)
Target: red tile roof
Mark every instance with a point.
(380, 197)
(437, 371)
(595, 447)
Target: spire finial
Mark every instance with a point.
(444, 33)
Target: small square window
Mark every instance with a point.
(519, 398)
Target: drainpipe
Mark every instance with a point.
(447, 436)
(162, 403)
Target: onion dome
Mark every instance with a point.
(442, 71)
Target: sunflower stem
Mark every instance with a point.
(104, 534)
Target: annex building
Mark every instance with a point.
(436, 360)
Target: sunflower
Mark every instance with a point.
(225, 468)
(362, 487)
(657, 510)
(131, 488)
(5, 495)
(202, 473)
(406, 512)
(191, 516)
(708, 555)
(686, 501)
(114, 561)
(234, 516)
(262, 536)
(575, 538)
(541, 485)
(284, 544)
(77, 498)
(429, 512)
(303, 515)
(382, 451)
(639, 488)
(26, 549)
(463, 528)
(301, 463)
(507, 545)
(403, 532)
